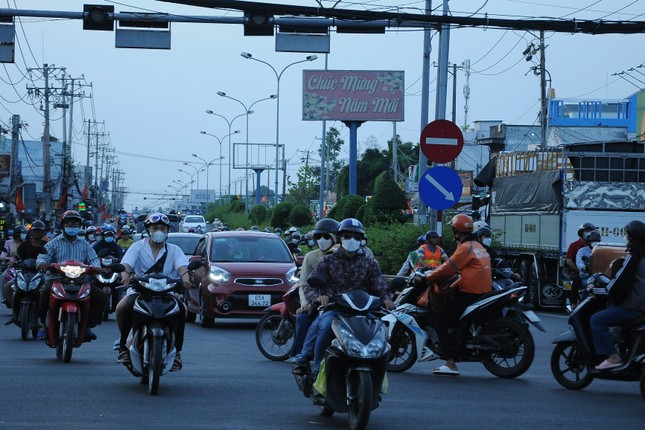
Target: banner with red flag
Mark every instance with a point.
(20, 205)
(62, 202)
(85, 192)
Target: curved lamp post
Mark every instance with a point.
(230, 154)
(277, 125)
(221, 157)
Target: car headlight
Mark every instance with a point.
(355, 348)
(291, 275)
(219, 275)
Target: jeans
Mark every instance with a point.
(303, 322)
(325, 336)
(610, 317)
(307, 351)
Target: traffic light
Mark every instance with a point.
(258, 24)
(82, 206)
(98, 17)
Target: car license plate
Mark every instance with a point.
(531, 316)
(259, 300)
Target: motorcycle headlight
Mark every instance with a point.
(58, 290)
(106, 262)
(85, 292)
(35, 282)
(113, 278)
(355, 348)
(21, 283)
(72, 272)
(157, 285)
(219, 275)
(291, 275)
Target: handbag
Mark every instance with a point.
(424, 298)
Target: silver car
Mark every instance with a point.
(195, 222)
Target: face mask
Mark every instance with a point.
(325, 244)
(99, 238)
(158, 236)
(311, 243)
(108, 239)
(351, 245)
(594, 244)
(487, 241)
(23, 236)
(295, 241)
(71, 231)
(90, 237)
(363, 242)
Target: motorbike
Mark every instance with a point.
(494, 330)
(574, 358)
(504, 277)
(353, 368)
(152, 340)
(69, 304)
(275, 332)
(28, 282)
(110, 282)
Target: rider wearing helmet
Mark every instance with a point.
(583, 258)
(278, 231)
(431, 255)
(472, 262)
(109, 242)
(627, 292)
(572, 252)
(412, 260)
(90, 233)
(484, 236)
(64, 247)
(344, 270)
(152, 255)
(324, 235)
(125, 240)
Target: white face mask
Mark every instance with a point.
(351, 245)
(325, 244)
(158, 236)
(487, 241)
(363, 242)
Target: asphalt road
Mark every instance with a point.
(227, 384)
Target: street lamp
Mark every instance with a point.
(221, 158)
(248, 111)
(190, 175)
(207, 164)
(196, 171)
(277, 121)
(230, 154)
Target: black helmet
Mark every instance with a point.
(585, 227)
(326, 225)
(351, 225)
(38, 225)
(484, 231)
(636, 231)
(431, 234)
(591, 236)
(70, 216)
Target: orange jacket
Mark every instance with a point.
(472, 262)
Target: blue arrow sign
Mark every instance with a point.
(440, 187)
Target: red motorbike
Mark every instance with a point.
(69, 304)
(275, 332)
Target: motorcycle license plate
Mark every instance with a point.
(260, 300)
(531, 316)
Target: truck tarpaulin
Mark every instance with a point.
(531, 192)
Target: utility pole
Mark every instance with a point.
(466, 66)
(395, 154)
(16, 180)
(46, 92)
(543, 111)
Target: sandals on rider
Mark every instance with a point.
(124, 356)
(177, 364)
(445, 370)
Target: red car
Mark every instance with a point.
(244, 273)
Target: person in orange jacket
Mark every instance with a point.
(472, 262)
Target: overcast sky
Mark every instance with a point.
(153, 102)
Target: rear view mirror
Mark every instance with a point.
(194, 265)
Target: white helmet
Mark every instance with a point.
(479, 224)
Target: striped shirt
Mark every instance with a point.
(61, 249)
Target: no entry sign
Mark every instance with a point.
(441, 141)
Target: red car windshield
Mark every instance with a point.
(250, 249)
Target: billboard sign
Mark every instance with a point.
(353, 95)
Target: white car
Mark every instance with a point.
(195, 222)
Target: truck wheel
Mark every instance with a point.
(529, 276)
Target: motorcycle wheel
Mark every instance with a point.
(361, 404)
(106, 309)
(68, 341)
(404, 351)
(274, 346)
(190, 316)
(569, 368)
(516, 348)
(156, 362)
(25, 321)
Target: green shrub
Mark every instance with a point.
(280, 215)
(350, 206)
(391, 244)
(300, 216)
(258, 214)
(388, 203)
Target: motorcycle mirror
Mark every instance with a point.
(316, 281)
(194, 265)
(117, 267)
(397, 284)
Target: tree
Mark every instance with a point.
(372, 163)
(307, 187)
(388, 202)
(280, 214)
(300, 215)
(333, 165)
(258, 214)
(350, 206)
